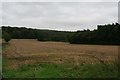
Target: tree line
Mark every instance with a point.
(104, 34)
(40, 35)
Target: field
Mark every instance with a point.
(31, 58)
(0, 56)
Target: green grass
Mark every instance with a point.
(63, 71)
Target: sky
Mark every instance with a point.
(64, 16)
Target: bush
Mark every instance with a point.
(6, 37)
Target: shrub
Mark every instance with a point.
(6, 37)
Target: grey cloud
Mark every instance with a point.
(59, 16)
(60, 0)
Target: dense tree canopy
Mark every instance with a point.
(41, 35)
(104, 34)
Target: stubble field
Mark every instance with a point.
(21, 52)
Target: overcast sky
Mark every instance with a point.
(66, 16)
